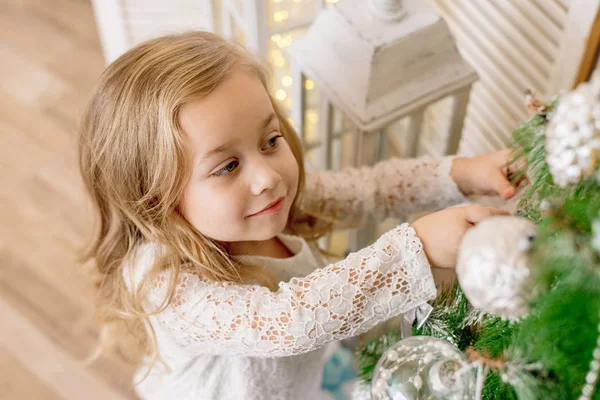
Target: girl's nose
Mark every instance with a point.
(263, 177)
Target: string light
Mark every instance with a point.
(280, 16)
(284, 41)
(312, 116)
(279, 62)
(275, 54)
(309, 85)
(280, 94)
(277, 58)
(287, 81)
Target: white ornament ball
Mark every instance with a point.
(573, 135)
(493, 266)
(423, 367)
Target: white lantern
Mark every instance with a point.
(379, 66)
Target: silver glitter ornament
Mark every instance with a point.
(423, 367)
(573, 135)
(492, 265)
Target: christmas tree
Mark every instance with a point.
(523, 321)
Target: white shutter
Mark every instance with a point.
(124, 23)
(513, 45)
(151, 18)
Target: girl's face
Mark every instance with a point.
(241, 163)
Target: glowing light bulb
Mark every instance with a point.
(280, 94)
(275, 54)
(309, 85)
(280, 16)
(285, 41)
(287, 81)
(279, 62)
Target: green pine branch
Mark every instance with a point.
(547, 354)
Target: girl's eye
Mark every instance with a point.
(232, 166)
(228, 169)
(272, 143)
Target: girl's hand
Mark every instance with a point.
(441, 232)
(484, 175)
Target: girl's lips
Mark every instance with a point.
(272, 208)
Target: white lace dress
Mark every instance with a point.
(230, 341)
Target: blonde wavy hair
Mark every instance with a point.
(135, 165)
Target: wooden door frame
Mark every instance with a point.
(578, 50)
(590, 57)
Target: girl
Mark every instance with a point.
(206, 250)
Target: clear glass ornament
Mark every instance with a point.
(423, 367)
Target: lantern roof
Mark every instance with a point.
(375, 69)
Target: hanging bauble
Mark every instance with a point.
(493, 266)
(423, 367)
(573, 135)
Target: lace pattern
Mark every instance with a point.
(339, 301)
(391, 188)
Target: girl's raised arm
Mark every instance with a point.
(390, 188)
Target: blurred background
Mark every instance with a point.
(52, 52)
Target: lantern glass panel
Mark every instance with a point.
(436, 125)
(397, 138)
(342, 144)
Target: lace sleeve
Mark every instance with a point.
(390, 188)
(335, 302)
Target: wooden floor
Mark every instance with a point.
(50, 57)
